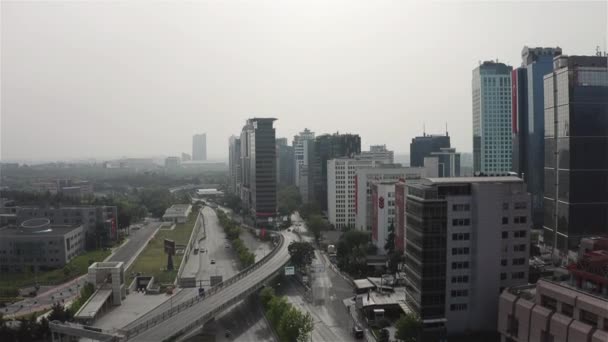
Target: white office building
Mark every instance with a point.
(486, 235)
(301, 157)
(492, 145)
(364, 177)
(341, 189)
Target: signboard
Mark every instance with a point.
(290, 270)
(169, 247)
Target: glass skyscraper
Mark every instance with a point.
(492, 118)
(576, 151)
(528, 122)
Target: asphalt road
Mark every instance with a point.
(200, 264)
(175, 323)
(245, 321)
(66, 292)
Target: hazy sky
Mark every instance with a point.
(136, 78)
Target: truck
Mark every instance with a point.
(331, 250)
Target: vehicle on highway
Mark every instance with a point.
(226, 245)
(196, 250)
(227, 333)
(358, 332)
(212, 261)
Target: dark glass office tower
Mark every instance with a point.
(423, 147)
(576, 150)
(328, 147)
(528, 120)
(259, 168)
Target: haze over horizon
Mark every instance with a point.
(106, 79)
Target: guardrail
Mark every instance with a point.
(169, 313)
(200, 221)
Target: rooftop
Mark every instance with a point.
(463, 180)
(40, 230)
(177, 210)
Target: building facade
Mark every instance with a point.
(492, 118)
(576, 151)
(97, 221)
(199, 147)
(379, 153)
(300, 152)
(423, 146)
(36, 244)
(446, 161)
(327, 147)
(575, 309)
(234, 165)
(172, 162)
(285, 163)
(528, 122)
(341, 190)
(259, 169)
(383, 212)
(363, 190)
(467, 239)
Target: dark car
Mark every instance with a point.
(358, 332)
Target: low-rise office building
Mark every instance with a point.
(177, 213)
(571, 310)
(38, 244)
(96, 220)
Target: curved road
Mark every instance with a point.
(182, 320)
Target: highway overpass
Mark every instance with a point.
(193, 314)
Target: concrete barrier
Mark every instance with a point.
(200, 221)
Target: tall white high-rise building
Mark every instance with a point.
(492, 146)
(300, 152)
(199, 146)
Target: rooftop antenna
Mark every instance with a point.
(423, 129)
(446, 129)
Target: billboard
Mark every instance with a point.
(170, 247)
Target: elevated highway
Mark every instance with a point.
(189, 316)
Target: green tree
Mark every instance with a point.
(59, 313)
(294, 325)
(266, 296)
(308, 209)
(277, 308)
(408, 328)
(384, 335)
(301, 253)
(389, 246)
(288, 199)
(315, 225)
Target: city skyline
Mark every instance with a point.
(357, 61)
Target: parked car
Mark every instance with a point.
(212, 261)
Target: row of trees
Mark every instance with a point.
(232, 230)
(290, 323)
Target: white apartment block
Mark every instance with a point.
(364, 177)
(491, 92)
